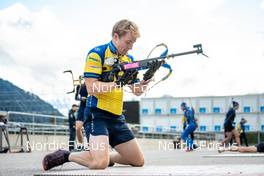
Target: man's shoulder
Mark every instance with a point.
(188, 109)
(231, 110)
(71, 112)
(100, 50)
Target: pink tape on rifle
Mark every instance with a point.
(131, 65)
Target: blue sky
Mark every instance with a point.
(39, 39)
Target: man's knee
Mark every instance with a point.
(78, 127)
(184, 136)
(139, 163)
(101, 164)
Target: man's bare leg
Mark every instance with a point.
(128, 153)
(79, 134)
(98, 155)
(250, 149)
(227, 138)
(236, 135)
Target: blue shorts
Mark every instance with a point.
(228, 127)
(80, 115)
(260, 147)
(87, 123)
(111, 125)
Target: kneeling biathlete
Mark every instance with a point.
(105, 102)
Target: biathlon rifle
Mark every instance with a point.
(152, 64)
(75, 82)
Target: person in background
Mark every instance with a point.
(81, 95)
(190, 126)
(72, 129)
(241, 130)
(250, 149)
(229, 125)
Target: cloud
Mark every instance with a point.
(34, 49)
(36, 46)
(262, 4)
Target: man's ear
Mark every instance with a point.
(115, 37)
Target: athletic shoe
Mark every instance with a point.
(55, 159)
(221, 149)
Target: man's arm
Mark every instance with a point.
(94, 86)
(139, 88)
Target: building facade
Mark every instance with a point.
(164, 114)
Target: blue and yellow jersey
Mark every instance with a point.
(189, 115)
(183, 119)
(95, 67)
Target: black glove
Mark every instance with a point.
(129, 77)
(154, 66)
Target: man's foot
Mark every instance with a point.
(221, 149)
(111, 164)
(55, 159)
(189, 150)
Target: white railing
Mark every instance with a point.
(58, 125)
(37, 123)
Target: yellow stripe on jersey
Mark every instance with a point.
(93, 64)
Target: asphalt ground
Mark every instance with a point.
(157, 162)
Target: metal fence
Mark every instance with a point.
(58, 125)
(37, 123)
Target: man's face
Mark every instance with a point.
(236, 107)
(182, 108)
(124, 43)
(74, 108)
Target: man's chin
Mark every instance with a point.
(123, 53)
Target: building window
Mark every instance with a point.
(247, 128)
(159, 129)
(173, 111)
(158, 111)
(217, 128)
(173, 128)
(262, 127)
(262, 109)
(202, 110)
(216, 110)
(202, 128)
(145, 129)
(145, 111)
(246, 109)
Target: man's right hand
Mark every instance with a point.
(155, 65)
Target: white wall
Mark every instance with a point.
(220, 102)
(250, 101)
(163, 105)
(205, 103)
(147, 104)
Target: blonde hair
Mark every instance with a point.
(124, 26)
